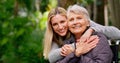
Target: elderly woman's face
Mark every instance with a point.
(77, 23)
(59, 24)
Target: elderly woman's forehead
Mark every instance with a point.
(78, 13)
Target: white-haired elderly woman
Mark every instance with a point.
(78, 22)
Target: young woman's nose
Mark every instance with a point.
(60, 26)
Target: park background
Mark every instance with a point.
(23, 23)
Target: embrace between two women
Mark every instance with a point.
(72, 37)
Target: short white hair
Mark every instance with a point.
(78, 10)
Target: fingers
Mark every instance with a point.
(85, 47)
(92, 44)
(92, 38)
(66, 50)
(80, 44)
(86, 35)
(83, 39)
(66, 47)
(63, 49)
(62, 52)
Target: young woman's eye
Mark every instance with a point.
(63, 21)
(54, 24)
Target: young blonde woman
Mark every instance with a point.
(57, 31)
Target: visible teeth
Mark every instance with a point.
(76, 26)
(61, 31)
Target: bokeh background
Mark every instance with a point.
(23, 23)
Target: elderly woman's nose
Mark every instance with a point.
(74, 21)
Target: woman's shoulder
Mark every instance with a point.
(70, 40)
(102, 38)
(99, 34)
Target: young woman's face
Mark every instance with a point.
(59, 24)
(77, 23)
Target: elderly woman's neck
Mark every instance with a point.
(77, 37)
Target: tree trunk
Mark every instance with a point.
(66, 3)
(114, 12)
(106, 13)
(16, 8)
(95, 10)
(100, 12)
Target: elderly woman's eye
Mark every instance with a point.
(63, 21)
(79, 18)
(71, 19)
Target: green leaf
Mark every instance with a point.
(4, 41)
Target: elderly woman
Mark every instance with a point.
(78, 22)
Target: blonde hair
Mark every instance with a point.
(50, 35)
(78, 10)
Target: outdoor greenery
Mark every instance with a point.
(21, 31)
(22, 27)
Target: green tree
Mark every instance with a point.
(20, 35)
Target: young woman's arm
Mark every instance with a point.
(54, 54)
(110, 32)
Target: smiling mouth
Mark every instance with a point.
(62, 31)
(76, 26)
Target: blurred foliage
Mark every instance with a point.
(21, 36)
(26, 3)
(52, 4)
(85, 2)
(43, 5)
